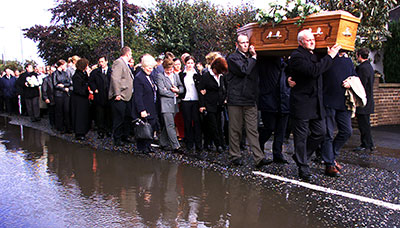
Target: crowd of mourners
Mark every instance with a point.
(217, 107)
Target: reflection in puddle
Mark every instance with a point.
(48, 182)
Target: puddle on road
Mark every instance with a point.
(48, 182)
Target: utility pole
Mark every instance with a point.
(122, 23)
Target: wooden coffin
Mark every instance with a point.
(328, 28)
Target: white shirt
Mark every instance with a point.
(191, 91)
(215, 77)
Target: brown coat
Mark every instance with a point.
(121, 82)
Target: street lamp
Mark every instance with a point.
(122, 23)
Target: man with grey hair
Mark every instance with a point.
(306, 101)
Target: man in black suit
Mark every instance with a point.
(99, 82)
(366, 74)
(306, 99)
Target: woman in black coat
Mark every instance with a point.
(79, 100)
(212, 99)
(190, 104)
(145, 99)
(62, 89)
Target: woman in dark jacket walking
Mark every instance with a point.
(80, 100)
(212, 100)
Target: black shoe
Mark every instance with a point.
(262, 163)
(220, 149)
(80, 138)
(280, 160)
(332, 171)
(359, 149)
(179, 150)
(199, 148)
(126, 140)
(236, 162)
(117, 142)
(305, 176)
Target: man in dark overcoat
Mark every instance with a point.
(306, 99)
(366, 74)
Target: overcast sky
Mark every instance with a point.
(19, 14)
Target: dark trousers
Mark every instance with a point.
(32, 107)
(63, 115)
(52, 115)
(364, 125)
(191, 121)
(11, 104)
(121, 118)
(144, 144)
(308, 135)
(103, 118)
(276, 123)
(214, 126)
(331, 146)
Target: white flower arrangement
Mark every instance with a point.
(33, 81)
(279, 10)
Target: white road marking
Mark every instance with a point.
(331, 191)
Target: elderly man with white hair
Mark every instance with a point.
(307, 109)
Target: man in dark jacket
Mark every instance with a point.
(99, 82)
(48, 98)
(273, 103)
(366, 74)
(306, 99)
(242, 87)
(29, 82)
(8, 90)
(334, 88)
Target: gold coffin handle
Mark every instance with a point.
(347, 32)
(277, 35)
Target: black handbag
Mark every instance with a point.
(143, 129)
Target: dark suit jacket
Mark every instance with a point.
(274, 90)
(48, 89)
(101, 82)
(28, 92)
(366, 74)
(242, 80)
(144, 99)
(306, 97)
(215, 96)
(342, 68)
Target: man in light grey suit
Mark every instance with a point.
(120, 94)
(169, 86)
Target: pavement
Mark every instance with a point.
(367, 194)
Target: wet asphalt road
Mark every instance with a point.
(372, 175)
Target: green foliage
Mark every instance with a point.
(392, 54)
(374, 14)
(87, 28)
(11, 64)
(179, 26)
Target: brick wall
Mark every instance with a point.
(387, 104)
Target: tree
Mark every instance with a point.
(374, 14)
(87, 28)
(392, 50)
(197, 28)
